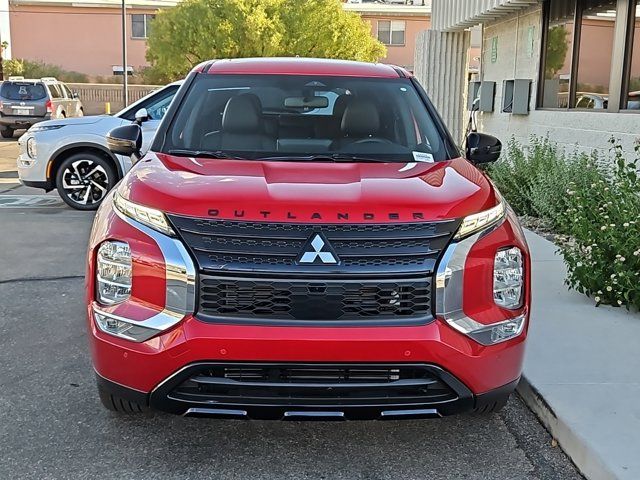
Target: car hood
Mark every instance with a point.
(309, 192)
(81, 120)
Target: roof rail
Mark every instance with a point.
(15, 78)
(49, 79)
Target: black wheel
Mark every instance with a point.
(121, 405)
(84, 179)
(7, 133)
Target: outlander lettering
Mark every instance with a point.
(270, 258)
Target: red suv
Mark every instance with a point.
(304, 241)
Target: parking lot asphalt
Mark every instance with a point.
(53, 426)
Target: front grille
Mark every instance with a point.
(313, 385)
(237, 246)
(314, 300)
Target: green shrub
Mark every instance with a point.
(604, 222)
(599, 211)
(38, 69)
(534, 178)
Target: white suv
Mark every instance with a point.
(71, 154)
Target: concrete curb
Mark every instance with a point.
(572, 443)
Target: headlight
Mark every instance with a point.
(147, 216)
(44, 128)
(31, 147)
(508, 279)
(113, 272)
(479, 221)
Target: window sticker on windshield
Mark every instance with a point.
(423, 157)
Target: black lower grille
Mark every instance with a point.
(314, 300)
(313, 385)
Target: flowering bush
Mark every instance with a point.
(603, 258)
(599, 210)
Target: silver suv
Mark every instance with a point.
(25, 102)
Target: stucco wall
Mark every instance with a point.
(583, 129)
(87, 40)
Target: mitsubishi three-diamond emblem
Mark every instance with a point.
(317, 250)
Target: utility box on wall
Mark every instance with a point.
(474, 92)
(516, 96)
(487, 95)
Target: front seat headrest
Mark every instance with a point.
(242, 114)
(360, 119)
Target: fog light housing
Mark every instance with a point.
(113, 272)
(122, 327)
(490, 334)
(508, 278)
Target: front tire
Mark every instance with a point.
(7, 133)
(84, 179)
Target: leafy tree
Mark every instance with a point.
(557, 48)
(198, 30)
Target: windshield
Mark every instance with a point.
(295, 116)
(23, 91)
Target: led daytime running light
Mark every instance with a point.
(479, 221)
(147, 216)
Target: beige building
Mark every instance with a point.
(86, 36)
(569, 69)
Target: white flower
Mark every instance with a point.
(622, 259)
(579, 264)
(625, 224)
(609, 289)
(619, 302)
(603, 227)
(597, 299)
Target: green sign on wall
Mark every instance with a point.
(494, 49)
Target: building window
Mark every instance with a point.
(391, 32)
(633, 78)
(593, 72)
(577, 54)
(140, 24)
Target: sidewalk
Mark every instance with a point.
(582, 372)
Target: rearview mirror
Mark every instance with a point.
(125, 140)
(483, 148)
(142, 116)
(306, 102)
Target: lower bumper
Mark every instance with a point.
(19, 122)
(361, 403)
(37, 184)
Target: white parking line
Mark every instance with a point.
(29, 201)
(10, 180)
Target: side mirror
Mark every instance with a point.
(142, 116)
(74, 94)
(125, 140)
(483, 148)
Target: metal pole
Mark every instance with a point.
(125, 73)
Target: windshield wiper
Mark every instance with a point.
(332, 157)
(219, 154)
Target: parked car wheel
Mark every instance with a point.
(84, 179)
(7, 133)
